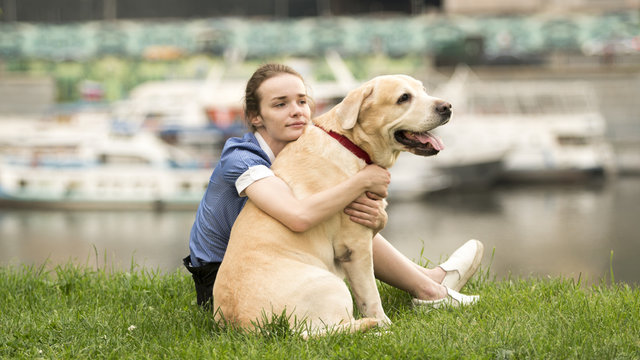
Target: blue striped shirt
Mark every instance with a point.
(222, 201)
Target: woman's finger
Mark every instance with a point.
(360, 221)
(361, 210)
(374, 196)
(359, 214)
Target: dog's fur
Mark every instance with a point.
(269, 269)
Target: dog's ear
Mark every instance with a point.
(349, 108)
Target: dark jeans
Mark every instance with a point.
(203, 276)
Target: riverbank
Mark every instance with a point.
(79, 312)
(558, 230)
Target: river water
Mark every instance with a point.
(567, 230)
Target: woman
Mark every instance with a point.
(277, 110)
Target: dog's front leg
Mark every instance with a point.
(356, 258)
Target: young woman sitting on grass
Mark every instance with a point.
(277, 110)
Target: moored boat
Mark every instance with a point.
(549, 131)
(99, 171)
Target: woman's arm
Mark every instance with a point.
(273, 196)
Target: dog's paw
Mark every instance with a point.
(384, 322)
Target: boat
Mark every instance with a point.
(545, 131)
(66, 167)
(413, 176)
(456, 167)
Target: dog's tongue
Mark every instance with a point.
(426, 138)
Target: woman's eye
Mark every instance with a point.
(404, 98)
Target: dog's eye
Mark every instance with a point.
(403, 98)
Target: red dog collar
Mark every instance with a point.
(355, 149)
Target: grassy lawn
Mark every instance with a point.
(79, 312)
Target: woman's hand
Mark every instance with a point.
(377, 181)
(368, 211)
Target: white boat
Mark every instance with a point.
(413, 176)
(60, 167)
(545, 130)
(455, 167)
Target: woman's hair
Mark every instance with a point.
(251, 98)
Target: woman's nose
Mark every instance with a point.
(296, 110)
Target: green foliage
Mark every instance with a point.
(119, 75)
(79, 312)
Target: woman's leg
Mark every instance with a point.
(436, 274)
(395, 269)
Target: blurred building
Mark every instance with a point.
(70, 41)
(536, 6)
(84, 10)
(57, 11)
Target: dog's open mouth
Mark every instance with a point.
(419, 143)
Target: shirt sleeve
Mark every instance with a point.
(236, 163)
(250, 176)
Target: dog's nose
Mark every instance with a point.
(443, 108)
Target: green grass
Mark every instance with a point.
(79, 312)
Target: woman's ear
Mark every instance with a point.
(256, 121)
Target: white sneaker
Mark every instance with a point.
(453, 299)
(462, 264)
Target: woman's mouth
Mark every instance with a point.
(297, 124)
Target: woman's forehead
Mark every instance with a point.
(282, 86)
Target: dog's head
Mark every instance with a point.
(390, 114)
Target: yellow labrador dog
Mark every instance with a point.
(269, 269)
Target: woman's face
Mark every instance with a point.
(284, 110)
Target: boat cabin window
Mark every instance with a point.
(533, 103)
(115, 159)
